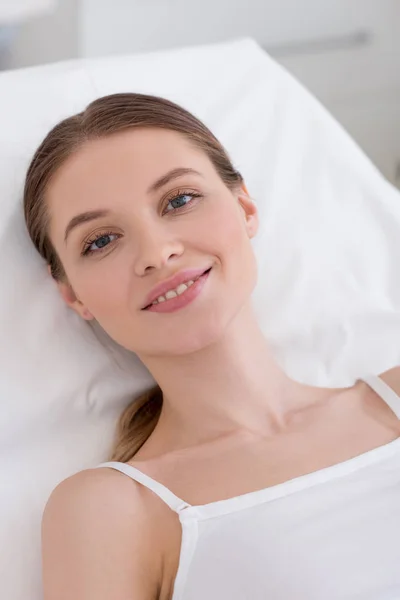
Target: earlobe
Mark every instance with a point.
(250, 211)
(69, 297)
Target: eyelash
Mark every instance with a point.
(86, 249)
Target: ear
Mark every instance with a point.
(69, 297)
(250, 211)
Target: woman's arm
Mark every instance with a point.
(97, 540)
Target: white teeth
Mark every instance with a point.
(170, 294)
(177, 292)
(181, 288)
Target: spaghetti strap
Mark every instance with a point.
(385, 392)
(175, 503)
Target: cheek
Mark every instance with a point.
(228, 237)
(101, 286)
(221, 223)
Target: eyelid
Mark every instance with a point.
(93, 237)
(176, 193)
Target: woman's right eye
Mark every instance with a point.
(98, 243)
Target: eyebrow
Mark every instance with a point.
(82, 218)
(91, 215)
(173, 174)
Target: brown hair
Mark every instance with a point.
(106, 116)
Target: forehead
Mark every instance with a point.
(140, 153)
(113, 169)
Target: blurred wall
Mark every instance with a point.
(117, 26)
(47, 38)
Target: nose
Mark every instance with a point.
(155, 249)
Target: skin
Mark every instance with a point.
(232, 421)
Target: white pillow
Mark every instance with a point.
(328, 296)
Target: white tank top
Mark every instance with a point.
(330, 535)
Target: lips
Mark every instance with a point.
(172, 284)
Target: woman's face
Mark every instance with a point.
(161, 218)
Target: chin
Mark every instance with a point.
(201, 332)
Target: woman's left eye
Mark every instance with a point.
(180, 201)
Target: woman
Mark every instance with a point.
(242, 484)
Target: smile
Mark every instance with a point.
(180, 296)
(178, 291)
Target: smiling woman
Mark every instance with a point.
(281, 490)
(171, 166)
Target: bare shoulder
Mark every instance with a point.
(392, 378)
(102, 495)
(98, 536)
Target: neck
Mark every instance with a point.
(232, 384)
